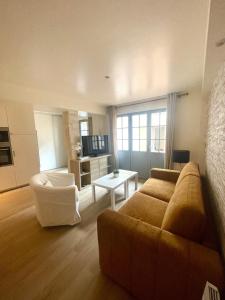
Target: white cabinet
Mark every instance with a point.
(7, 178)
(3, 116)
(26, 159)
(20, 118)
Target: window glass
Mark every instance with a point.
(143, 133)
(162, 132)
(125, 122)
(119, 134)
(120, 144)
(84, 128)
(119, 122)
(135, 121)
(135, 145)
(139, 132)
(155, 119)
(125, 145)
(158, 131)
(125, 133)
(163, 118)
(122, 133)
(143, 120)
(143, 145)
(135, 133)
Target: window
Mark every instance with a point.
(84, 128)
(139, 132)
(122, 133)
(158, 132)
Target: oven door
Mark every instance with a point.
(5, 156)
(4, 135)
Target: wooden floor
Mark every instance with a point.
(53, 263)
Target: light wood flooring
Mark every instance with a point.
(53, 263)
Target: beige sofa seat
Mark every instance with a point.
(145, 208)
(158, 188)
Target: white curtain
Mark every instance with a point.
(171, 109)
(112, 117)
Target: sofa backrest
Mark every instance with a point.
(185, 213)
(189, 169)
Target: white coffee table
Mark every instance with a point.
(111, 183)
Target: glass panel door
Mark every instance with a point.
(139, 149)
(141, 139)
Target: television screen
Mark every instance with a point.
(94, 145)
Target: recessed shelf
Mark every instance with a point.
(84, 173)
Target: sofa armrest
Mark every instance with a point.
(152, 263)
(165, 174)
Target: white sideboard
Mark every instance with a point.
(88, 169)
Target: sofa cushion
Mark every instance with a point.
(185, 214)
(189, 169)
(158, 188)
(145, 208)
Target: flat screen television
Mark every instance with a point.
(94, 145)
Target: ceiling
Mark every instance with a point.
(147, 47)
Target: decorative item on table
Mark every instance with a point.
(77, 149)
(116, 173)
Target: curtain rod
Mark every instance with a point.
(163, 97)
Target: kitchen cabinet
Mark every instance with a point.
(3, 116)
(7, 178)
(20, 118)
(26, 158)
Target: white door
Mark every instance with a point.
(26, 160)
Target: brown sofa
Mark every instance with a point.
(159, 245)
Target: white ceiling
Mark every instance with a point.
(147, 47)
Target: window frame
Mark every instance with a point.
(159, 127)
(139, 129)
(122, 128)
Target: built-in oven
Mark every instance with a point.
(5, 156)
(5, 147)
(4, 135)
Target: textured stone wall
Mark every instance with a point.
(215, 152)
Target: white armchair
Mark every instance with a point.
(56, 199)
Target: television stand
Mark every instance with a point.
(88, 168)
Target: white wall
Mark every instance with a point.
(187, 135)
(99, 124)
(50, 140)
